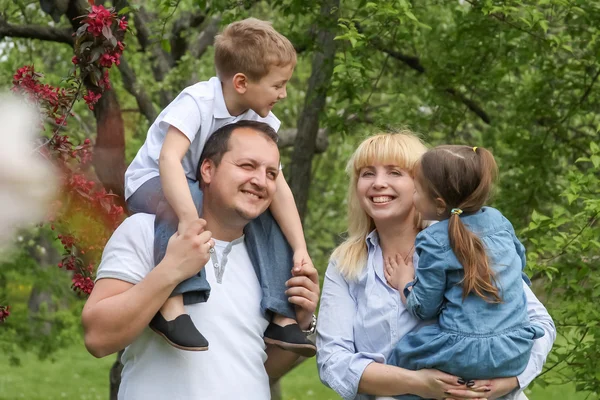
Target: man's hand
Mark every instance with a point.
(189, 252)
(303, 290)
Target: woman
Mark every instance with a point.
(362, 318)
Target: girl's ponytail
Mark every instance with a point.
(463, 177)
(470, 252)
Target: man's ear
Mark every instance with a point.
(440, 206)
(207, 170)
(240, 83)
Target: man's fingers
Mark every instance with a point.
(306, 270)
(195, 227)
(299, 291)
(303, 302)
(303, 281)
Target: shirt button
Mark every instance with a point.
(216, 265)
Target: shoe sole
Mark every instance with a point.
(304, 350)
(177, 345)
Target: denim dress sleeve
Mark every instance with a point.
(340, 365)
(425, 300)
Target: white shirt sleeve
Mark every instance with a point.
(129, 253)
(185, 114)
(542, 346)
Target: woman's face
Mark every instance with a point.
(385, 192)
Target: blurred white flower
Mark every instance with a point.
(27, 181)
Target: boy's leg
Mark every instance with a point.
(272, 258)
(179, 330)
(146, 198)
(195, 289)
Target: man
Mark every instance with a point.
(238, 180)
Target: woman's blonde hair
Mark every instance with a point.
(403, 149)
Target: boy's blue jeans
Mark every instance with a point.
(269, 251)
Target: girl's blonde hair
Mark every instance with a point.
(403, 149)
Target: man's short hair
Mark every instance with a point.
(251, 47)
(218, 143)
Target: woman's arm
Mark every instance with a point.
(340, 366)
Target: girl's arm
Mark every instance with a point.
(172, 176)
(283, 208)
(426, 298)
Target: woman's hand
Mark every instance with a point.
(440, 385)
(490, 388)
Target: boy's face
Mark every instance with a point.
(262, 95)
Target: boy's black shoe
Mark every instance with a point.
(180, 333)
(290, 338)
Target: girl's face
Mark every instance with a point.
(385, 193)
(424, 203)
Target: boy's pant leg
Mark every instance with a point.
(149, 198)
(272, 258)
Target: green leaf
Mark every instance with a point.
(594, 147)
(166, 45)
(596, 160)
(124, 10)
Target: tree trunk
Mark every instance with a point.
(115, 376)
(46, 258)
(314, 104)
(109, 152)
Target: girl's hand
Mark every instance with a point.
(440, 385)
(398, 273)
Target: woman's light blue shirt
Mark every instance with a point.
(361, 321)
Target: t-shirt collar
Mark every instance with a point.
(220, 110)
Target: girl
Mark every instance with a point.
(362, 318)
(469, 275)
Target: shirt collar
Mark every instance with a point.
(372, 239)
(220, 110)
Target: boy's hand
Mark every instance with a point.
(184, 224)
(301, 258)
(189, 252)
(397, 272)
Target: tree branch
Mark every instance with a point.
(141, 97)
(47, 33)
(179, 43)
(288, 136)
(160, 59)
(415, 63)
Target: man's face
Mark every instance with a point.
(262, 95)
(243, 184)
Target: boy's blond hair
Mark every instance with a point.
(251, 47)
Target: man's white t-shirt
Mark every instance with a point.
(231, 320)
(198, 112)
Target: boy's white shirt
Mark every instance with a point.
(198, 111)
(231, 320)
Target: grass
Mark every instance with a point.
(76, 375)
